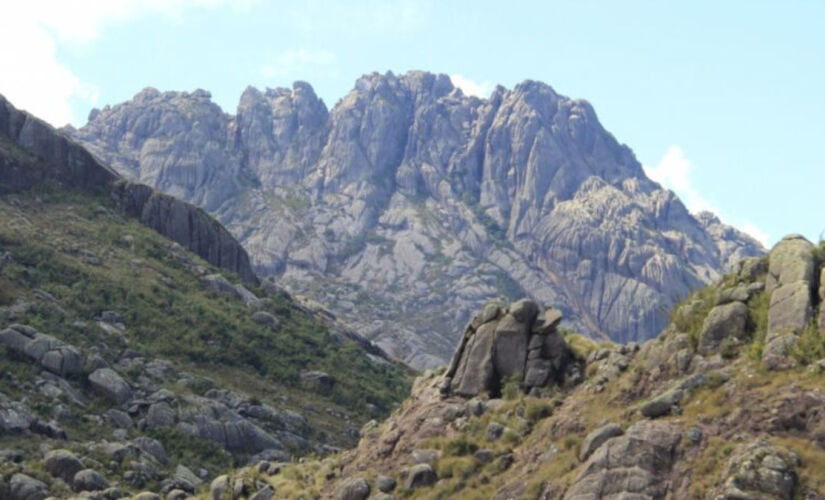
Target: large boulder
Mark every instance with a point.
(791, 260)
(218, 284)
(760, 470)
(50, 353)
(597, 438)
(89, 480)
(355, 488)
(635, 465)
(790, 281)
(511, 345)
(420, 476)
(23, 487)
(63, 464)
(722, 322)
(107, 383)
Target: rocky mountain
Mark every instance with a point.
(727, 403)
(408, 205)
(138, 350)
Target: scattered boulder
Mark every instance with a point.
(420, 476)
(635, 465)
(494, 431)
(89, 480)
(153, 448)
(23, 487)
(120, 418)
(15, 417)
(318, 380)
(219, 487)
(355, 488)
(52, 354)
(63, 464)
(722, 322)
(160, 415)
(264, 318)
(662, 404)
(183, 473)
(760, 470)
(218, 284)
(385, 484)
(147, 495)
(597, 438)
(107, 383)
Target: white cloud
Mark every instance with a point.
(31, 31)
(757, 233)
(674, 173)
(470, 87)
(295, 60)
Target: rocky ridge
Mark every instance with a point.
(715, 407)
(408, 205)
(32, 152)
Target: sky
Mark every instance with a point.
(722, 102)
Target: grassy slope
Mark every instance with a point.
(545, 434)
(53, 236)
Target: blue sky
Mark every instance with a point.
(721, 101)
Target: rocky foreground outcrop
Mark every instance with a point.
(511, 345)
(702, 411)
(408, 205)
(32, 153)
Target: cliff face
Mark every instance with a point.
(408, 205)
(32, 152)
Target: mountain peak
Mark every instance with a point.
(411, 198)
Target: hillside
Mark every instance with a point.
(138, 350)
(728, 402)
(408, 205)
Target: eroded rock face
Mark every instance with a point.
(185, 224)
(406, 184)
(503, 345)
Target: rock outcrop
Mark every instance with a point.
(510, 345)
(186, 224)
(637, 463)
(52, 354)
(790, 282)
(409, 205)
(690, 414)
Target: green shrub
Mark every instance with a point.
(460, 447)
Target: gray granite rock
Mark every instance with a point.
(526, 186)
(109, 384)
